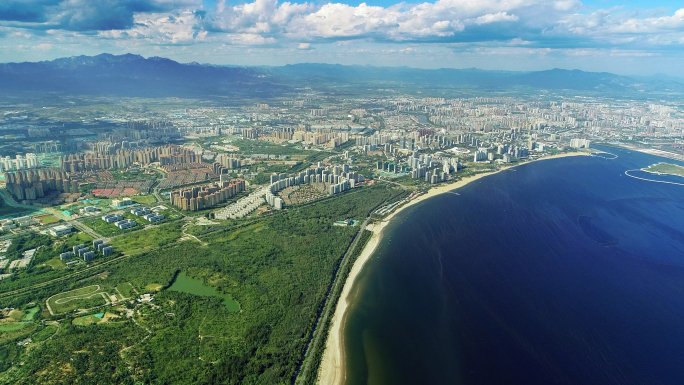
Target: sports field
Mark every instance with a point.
(83, 298)
(46, 219)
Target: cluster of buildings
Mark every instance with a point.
(27, 182)
(147, 214)
(141, 132)
(81, 251)
(7, 225)
(575, 117)
(441, 167)
(580, 143)
(321, 137)
(337, 178)
(392, 167)
(107, 157)
(86, 253)
(119, 221)
(317, 137)
(159, 130)
(408, 141)
(340, 178)
(122, 203)
(23, 261)
(20, 162)
(203, 197)
(36, 183)
(227, 161)
(243, 206)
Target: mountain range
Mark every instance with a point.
(135, 76)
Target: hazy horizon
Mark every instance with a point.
(389, 65)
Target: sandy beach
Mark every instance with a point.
(332, 371)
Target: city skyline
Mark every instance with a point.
(631, 38)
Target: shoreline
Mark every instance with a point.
(331, 370)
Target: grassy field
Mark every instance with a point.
(56, 264)
(45, 333)
(16, 315)
(10, 332)
(86, 320)
(47, 219)
(665, 168)
(104, 228)
(121, 175)
(78, 238)
(11, 326)
(144, 199)
(83, 298)
(148, 239)
(30, 313)
(126, 290)
(153, 287)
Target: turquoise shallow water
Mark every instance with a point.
(562, 271)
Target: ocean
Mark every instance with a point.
(563, 271)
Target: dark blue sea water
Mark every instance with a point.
(562, 271)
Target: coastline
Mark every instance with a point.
(331, 370)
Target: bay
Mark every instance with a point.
(562, 271)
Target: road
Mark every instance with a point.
(318, 335)
(76, 273)
(398, 184)
(86, 229)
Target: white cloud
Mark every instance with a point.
(307, 21)
(495, 18)
(567, 5)
(609, 28)
(250, 39)
(162, 28)
(484, 27)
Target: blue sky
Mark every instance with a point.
(624, 37)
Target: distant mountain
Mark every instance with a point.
(555, 79)
(133, 76)
(363, 74)
(660, 77)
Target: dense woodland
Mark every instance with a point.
(278, 268)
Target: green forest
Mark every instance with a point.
(278, 268)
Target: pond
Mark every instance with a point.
(195, 286)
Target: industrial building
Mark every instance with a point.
(112, 218)
(125, 224)
(66, 255)
(60, 230)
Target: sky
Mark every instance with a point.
(629, 37)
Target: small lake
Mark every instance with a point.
(195, 286)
